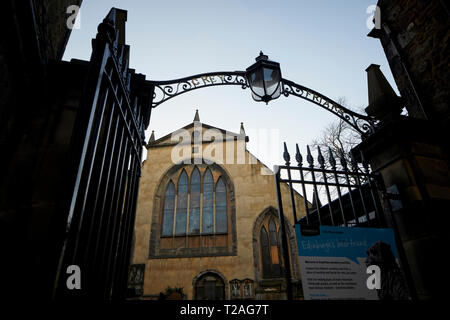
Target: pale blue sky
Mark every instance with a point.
(319, 44)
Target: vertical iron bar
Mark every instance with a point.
(103, 201)
(130, 229)
(304, 194)
(111, 253)
(128, 215)
(351, 197)
(101, 181)
(325, 180)
(101, 244)
(344, 166)
(284, 241)
(372, 188)
(359, 187)
(123, 232)
(299, 158)
(291, 190)
(313, 176)
(110, 223)
(336, 179)
(287, 158)
(96, 193)
(88, 168)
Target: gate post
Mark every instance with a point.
(409, 155)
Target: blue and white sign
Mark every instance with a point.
(334, 262)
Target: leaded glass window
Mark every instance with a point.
(221, 207)
(270, 243)
(194, 206)
(169, 206)
(265, 253)
(182, 195)
(208, 203)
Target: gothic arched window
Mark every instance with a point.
(196, 214)
(270, 249)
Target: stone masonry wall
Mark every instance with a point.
(420, 30)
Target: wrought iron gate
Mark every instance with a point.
(349, 190)
(106, 153)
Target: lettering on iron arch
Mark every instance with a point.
(165, 90)
(363, 124)
(205, 80)
(313, 97)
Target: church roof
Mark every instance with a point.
(196, 122)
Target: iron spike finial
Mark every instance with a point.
(320, 158)
(298, 156)
(309, 157)
(331, 158)
(286, 155)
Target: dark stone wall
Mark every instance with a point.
(51, 19)
(420, 35)
(38, 105)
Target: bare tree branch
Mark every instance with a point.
(337, 136)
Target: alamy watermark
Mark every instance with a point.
(374, 280)
(74, 20)
(74, 279)
(374, 20)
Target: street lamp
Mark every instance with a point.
(264, 79)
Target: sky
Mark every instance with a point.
(320, 44)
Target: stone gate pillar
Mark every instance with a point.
(409, 155)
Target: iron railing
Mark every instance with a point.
(349, 189)
(350, 192)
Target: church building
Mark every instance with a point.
(207, 224)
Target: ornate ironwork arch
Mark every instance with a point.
(165, 90)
